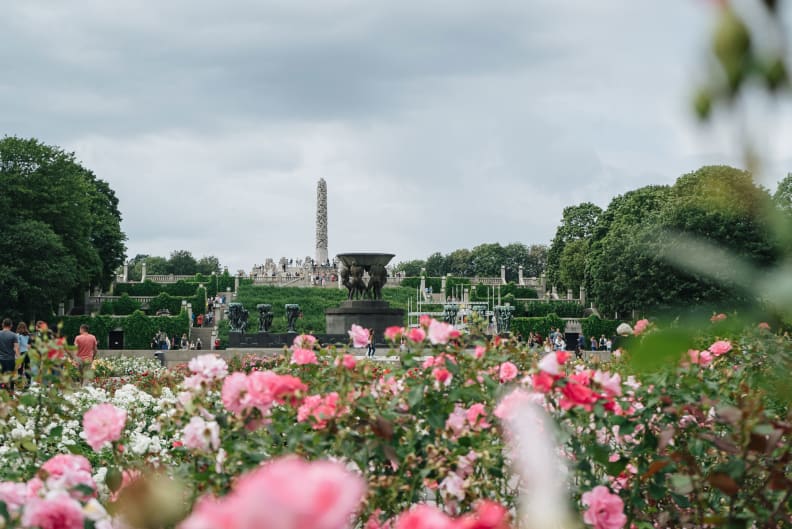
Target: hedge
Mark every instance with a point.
(180, 288)
(525, 326)
(565, 309)
(138, 328)
(594, 326)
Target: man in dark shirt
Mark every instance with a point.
(9, 349)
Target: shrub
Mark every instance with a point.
(125, 305)
(594, 326)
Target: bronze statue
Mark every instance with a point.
(292, 313)
(503, 317)
(378, 276)
(237, 317)
(356, 281)
(450, 313)
(265, 317)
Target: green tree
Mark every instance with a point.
(459, 262)
(487, 259)
(572, 265)
(435, 265)
(577, 223)
(783, 195)
(182, 262)
(65, 216)
(208, 265)
(411, 268)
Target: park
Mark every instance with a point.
(287, 313)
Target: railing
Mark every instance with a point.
(168, 278)
(489, 281)
(98, 300)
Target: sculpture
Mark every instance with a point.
(450, 313)
(265, 317)
(237, 317)
(292, 313)
(357, 286)
(503, 317)
(378, 276)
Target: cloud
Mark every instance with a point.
(437, 125)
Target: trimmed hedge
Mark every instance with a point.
(138, 328)
(525, 326)
(180, 289)
(565, 309)
(594, 326)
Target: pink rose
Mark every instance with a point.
(284, 493)
(439, 332)
(103, 424)
(542, 382)
(13, 495)
(305, 341)
(425, 320)
(479, 351)
(201, 435)
(235, 393)
(424, 517)
(488, 515)
(209, 366)
(416, 335)
(359, 335)
(456, 420)
(321, 409)
(67, 471)
(442, 375)
(720, 347)
(393, 333)
(514, 401)
(577, 395)
(561, 357)
(303, 357)
(640, 326)
(764, 326)
(507, 371)
(476, 416)
(605, 510)
(705, 358)
(549, 364)
(349, 361)
(58, 512)
(611, 384)
(718, 317)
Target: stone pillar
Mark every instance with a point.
(554, 293)
(321, 222)
(503, 274)
(582, 295)
(236, 283)
(143, 275)
(520, 275)
(542, 285)
(126, 272)
(569, 294)
(61, 309)
(423, 281)
(443, 283)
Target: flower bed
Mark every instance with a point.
(317, 434)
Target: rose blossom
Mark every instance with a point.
(764, 326)
(549, 364)
(13, 495)
(488, 515)
(209, 366)
(507, 371)
(424, 517)
(718, 317)
(56, 512)
(577, 395)
(103, 424)
(440, 332)
(442, 375)
(479, 351)
(303, 357)
(542, 382)
(611, 384)
(561, 357)
(425, 320)
(66, 471)
(640, 326)
(720, 347)
(349, 361)
(393, 332)
(476, 416)
(321, 409)
(514, 401)
(416, 335)
(235, 392)
(305, 341)
(359, 335)
(605, 510)
(456, 420)
(201, 435)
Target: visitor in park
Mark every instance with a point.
(87, 346)
(581, 344)
(41, 329)
(184, 342)
(602, 342)
(198, 344)
(9, 350)
(593, 342)
(199, 320)
(154, 342)
(23, 338)
(609, 345)
(370, 346)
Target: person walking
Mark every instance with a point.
(24, 338)
(87, 346)
(9, 350)
(371, 348)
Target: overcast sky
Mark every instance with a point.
(436, 124)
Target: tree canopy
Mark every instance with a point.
(577, 224)
(180, 262)
(629, 267)
(61, 228)
(485, 260)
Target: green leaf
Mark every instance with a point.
(681, 483)
(113, 479)
(29, 445)
(660, 349)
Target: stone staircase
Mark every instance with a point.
(205, 334)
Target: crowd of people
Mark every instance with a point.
(162, 342)
(556, 341)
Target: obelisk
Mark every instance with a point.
(321, 222)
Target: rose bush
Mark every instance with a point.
(698, 443)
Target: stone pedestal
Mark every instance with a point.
(376, 315)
